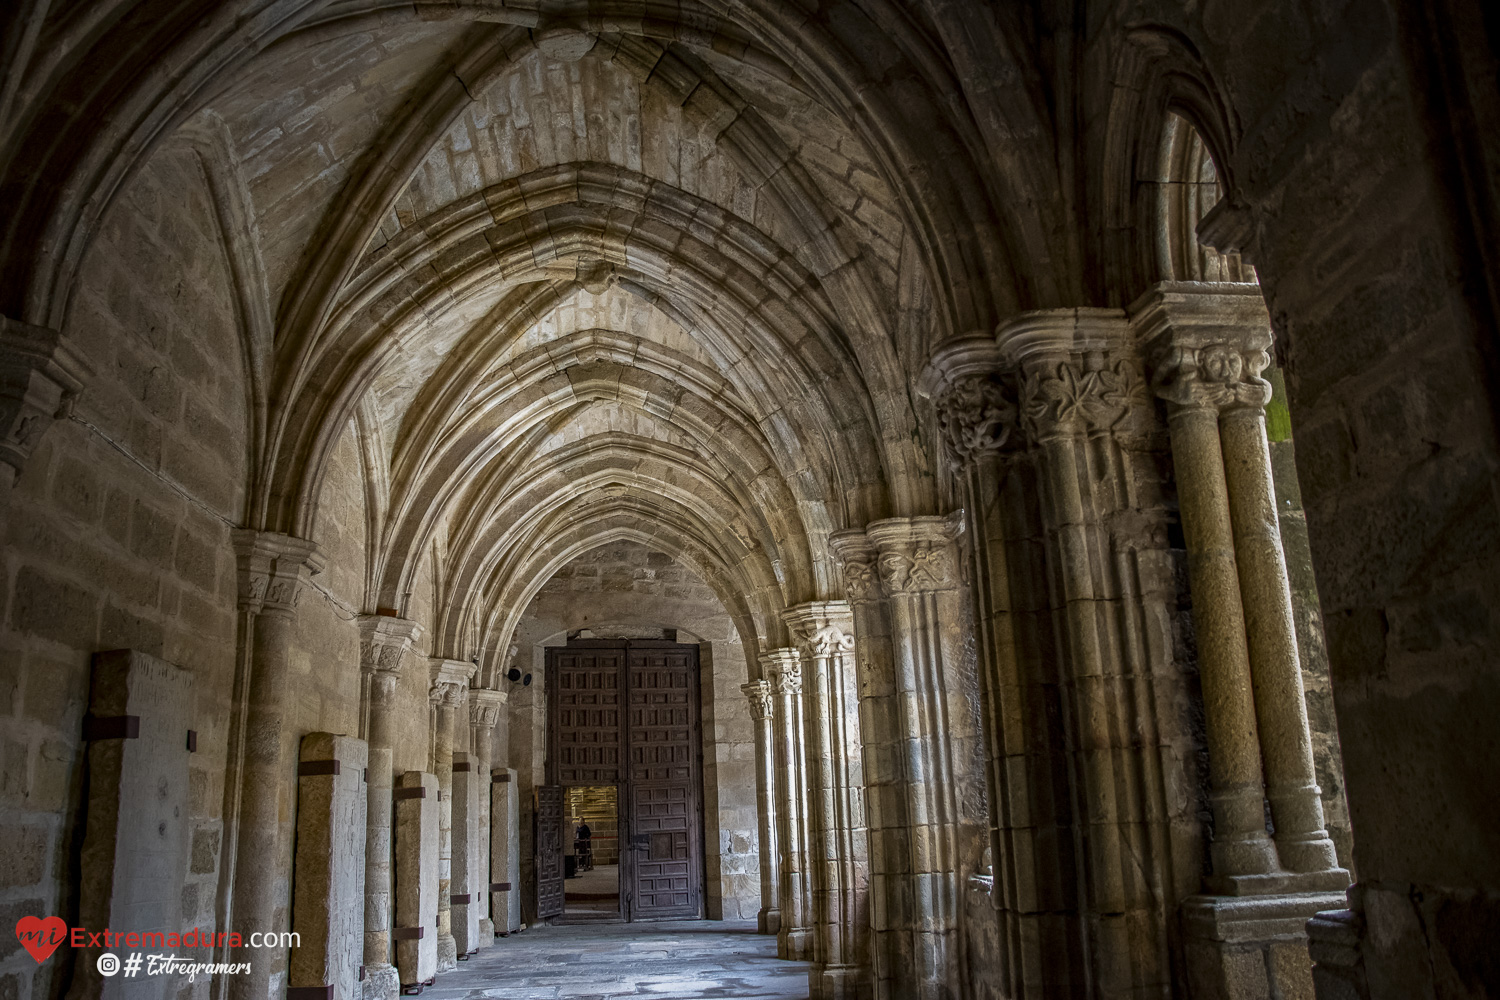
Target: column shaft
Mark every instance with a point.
(447, 715)
(794, 939)
(1240, 844)
(763, 714)
(1302, 842)
(259, 871)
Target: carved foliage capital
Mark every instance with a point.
(762, 699)
(977, 415)
(450, 682)
(784, 668)
(1080, 395)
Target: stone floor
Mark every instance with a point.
(682, 959)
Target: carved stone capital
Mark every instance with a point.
(272, 570)
(485, 706)
(857, 556)
(822, 628)
(40, 378)
(917, 554)
(384, 641)
(1070, 397)
(784, 668)
(1208, 344)
(977, 415)
(1079, 370)
(450, 681)
(762, 699)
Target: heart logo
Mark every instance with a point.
(41, 937)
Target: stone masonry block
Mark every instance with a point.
(468, 897)
(416, 876)
(505, 851)
(328, 886)
(133, 864)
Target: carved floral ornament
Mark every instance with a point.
(1069, 397)
(1220, 375)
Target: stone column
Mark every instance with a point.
(838, 862)
(1240, 844)
(450, 685)
(762, 700)
(384, 643)
(272, 570)
(784, 669)
(1208, 347)
(890, 903)
(940, 733)
(485, 706)
(1302, 841)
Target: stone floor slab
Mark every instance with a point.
(683, 960)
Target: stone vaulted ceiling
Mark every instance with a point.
(577, 272)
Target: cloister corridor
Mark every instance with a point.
(930, 499)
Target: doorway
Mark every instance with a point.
(625, 714)
(591, 889)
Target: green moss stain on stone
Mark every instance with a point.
(1278, 417)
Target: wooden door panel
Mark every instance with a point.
(587, 734)
(549, 851)
(664, 778)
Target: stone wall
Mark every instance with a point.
(117, 536)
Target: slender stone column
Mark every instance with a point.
(1302, 841)
(940, 730)
(384, 643)
(890, 901)
(838, 862)
(485, 706)
(1240, 845)
(450, 685)
(762, 699)
(272, 570)
(794, 939)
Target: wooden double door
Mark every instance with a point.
(626, 713)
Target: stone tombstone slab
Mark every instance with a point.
(416, 877)
(328, 886)
(138, 834)
(505, 852)
(467, 895)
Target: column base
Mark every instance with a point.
(486, 932)
(447, 953)
(794, 944)
(382, 982)
(1278, 883)
(837, 982)
(1251, 945)
(768, 920)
